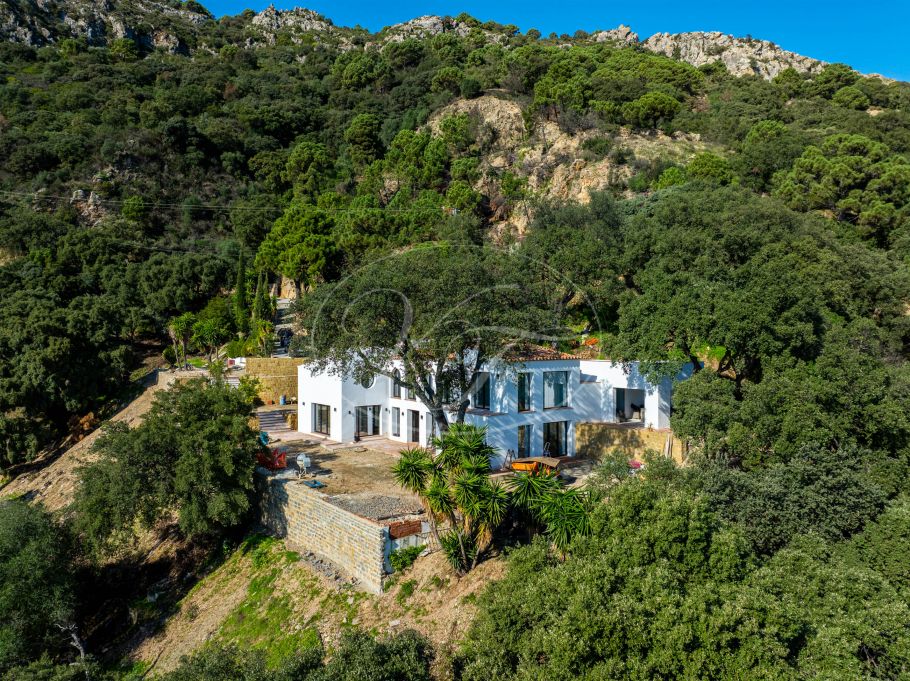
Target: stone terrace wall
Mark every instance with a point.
(598, 439)
(278, 376)
(310, 522)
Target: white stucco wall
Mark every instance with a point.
(592, 388)
(503, 419)
(318, 388)
(602, 377)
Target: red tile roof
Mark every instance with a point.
(535, 353)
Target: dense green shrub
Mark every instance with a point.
(402, 559)
(37, 590)
(194, 454)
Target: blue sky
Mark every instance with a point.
(873, 36)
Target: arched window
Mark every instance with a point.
(396, 384)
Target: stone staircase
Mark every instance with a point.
(273, 423)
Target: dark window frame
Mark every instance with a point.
(562, 437)
(322, 418)
(524, 444)
(526, 396)
(482, 391)
(565, 390)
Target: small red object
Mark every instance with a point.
(274, 459)
(634, 465)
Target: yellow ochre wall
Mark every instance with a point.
(277, 376)
(598, 439)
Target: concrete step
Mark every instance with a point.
(273, 422)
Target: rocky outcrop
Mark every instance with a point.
(88, 205)
(430, 25)
(502, 116)
(152, 24)
(424, 27)
(297, 19)
(552, 163)
(159, 25)
(741, 56)
(621, 34)
(296, 23)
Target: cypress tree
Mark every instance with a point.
(241, 306)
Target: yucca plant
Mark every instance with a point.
(455, 484)
(414, 471)
(495, 506)
(459, 549)
(566, 515)
(529, 490)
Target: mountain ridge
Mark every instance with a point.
(180, 27)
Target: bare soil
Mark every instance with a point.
(52, 479)
(226, 606)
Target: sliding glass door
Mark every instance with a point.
(322, 419)
(554, 438)
(368, 420)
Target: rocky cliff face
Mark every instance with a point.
(150, 23)
(620, 34)
(295, 23)
(742, 56)
(551, 162)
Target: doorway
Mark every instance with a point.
(413, 425)
(630, 405)
(368, 420)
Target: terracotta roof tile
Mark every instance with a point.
(535, 353)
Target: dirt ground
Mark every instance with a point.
(228, 606)
(348, 470)
(52, 480)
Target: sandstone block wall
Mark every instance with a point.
(277, 376)
(597, 439)
(310, 522)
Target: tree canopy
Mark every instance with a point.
(194, 453)
(443, 310)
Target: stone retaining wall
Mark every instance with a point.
(277, 376)
(597, 439)
(310, 522)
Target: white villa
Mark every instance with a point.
(530, 407)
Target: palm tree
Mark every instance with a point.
(464, 461)
(182, 328)
(454, 484)
(495, 507)
(207, 334)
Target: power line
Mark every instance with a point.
(38, 196)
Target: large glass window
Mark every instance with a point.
(322, 419)
(396, 421)
(482, 391)
(555, 389)
(524, 391)
(368, 420)
(396, 384)
(554, 438)
(524, 441)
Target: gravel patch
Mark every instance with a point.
(375, 506)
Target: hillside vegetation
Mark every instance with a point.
(163, 171)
